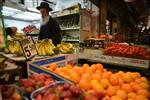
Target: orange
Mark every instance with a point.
(143, 92)
(99, 67)
(93, 67)
(122, 94)
(120, 81)
(106, 75)
(50, 69)
(85, 66)
(105, 83)
(113, 79)
(104, 70)
(138, 80)
(86, 76)
(106, 98)
(117, 87)
(85, 84)
(111, 90)
(127, 87)
(141, 97)
(121, 73)
(69, 66)
(57, 70)
(135, 86)
(90, 91)
(143, 79)
(127, 77)
(116, 98)
(97, 86)
(135, 75)
(53, 66)
(96, 76)
(75, 77)
(89, 71)
(79, 70)
(132, 95)
(98, 71)
(69, 71)
(144, 85)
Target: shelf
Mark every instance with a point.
(96, 55)
(71, 40)
(71, 28)
(65, 14)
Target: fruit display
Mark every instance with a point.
(10, 92)
(34, 82)
(65, 48)
(45, 47)
(117, 49)
(14, 48)
(59, 91)
(116, 86)
(30, 29)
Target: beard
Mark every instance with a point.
(44, 20)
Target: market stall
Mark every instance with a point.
(90, 63)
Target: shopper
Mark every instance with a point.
(49, 27)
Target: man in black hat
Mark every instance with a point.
(49, 26)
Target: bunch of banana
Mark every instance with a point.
(45, 47)
(65, 47)
(14, 48)
(18, 36)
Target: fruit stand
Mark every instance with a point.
(100, 69)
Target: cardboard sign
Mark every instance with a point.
(28, 47)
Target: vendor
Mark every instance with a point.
(49, 27)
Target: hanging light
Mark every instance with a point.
(129, 0)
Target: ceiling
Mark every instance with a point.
(129, 12)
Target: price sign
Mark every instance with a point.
(28, 47)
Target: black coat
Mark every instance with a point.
(51, 30)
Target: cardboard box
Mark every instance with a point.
(61, 60)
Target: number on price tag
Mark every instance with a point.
(28, 47)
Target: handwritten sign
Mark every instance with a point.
(28, 47)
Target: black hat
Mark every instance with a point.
(44, 5)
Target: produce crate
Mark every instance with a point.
(61, 60)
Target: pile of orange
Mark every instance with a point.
(116, 86)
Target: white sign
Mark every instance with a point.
(28, 47)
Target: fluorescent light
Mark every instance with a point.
(7, 13)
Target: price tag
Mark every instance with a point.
(28, 47)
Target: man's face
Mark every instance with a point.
(44, 12)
